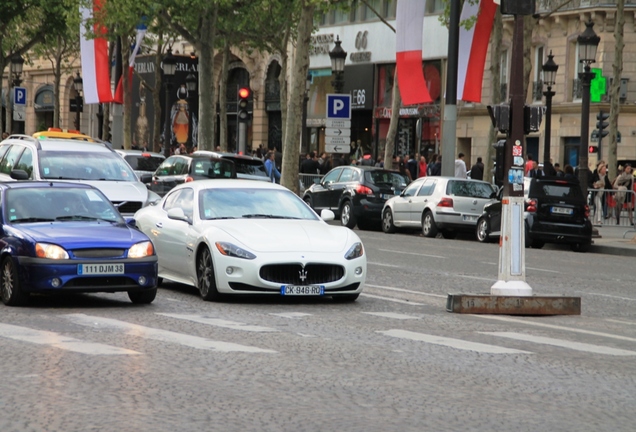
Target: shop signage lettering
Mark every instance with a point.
(363, 56)
(361, 44)
(320, 44)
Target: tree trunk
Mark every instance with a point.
(223, 97)
(106, 122)
(207, 101)
(495, 72)
(617, 70)
(291, 150)
(284, 85)
(57, 78)
(127, 107)
(389, 146)
(156, 98)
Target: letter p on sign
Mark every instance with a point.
(339, 106)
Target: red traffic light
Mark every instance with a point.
(593, 149)
(244, 92)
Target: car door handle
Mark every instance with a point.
(159, 224)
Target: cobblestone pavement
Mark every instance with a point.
(395, 360)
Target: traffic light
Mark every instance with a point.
(593, 149)
(601, 124)
(244, 94)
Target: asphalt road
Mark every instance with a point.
(395, 360)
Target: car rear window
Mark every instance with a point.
(144, 163)
(470, 189)
(556, 190)
(248, 166)
(381, 177)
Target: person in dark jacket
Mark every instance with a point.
(477, 170)
(310, 165)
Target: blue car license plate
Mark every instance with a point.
(302, 290)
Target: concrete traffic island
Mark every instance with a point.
(513, 305)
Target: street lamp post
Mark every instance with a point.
(549, 78)
(588, 42)
(305, 134)
(169, 66)
(191, 85)
(17, 63)
(338, 57)
(78, 83)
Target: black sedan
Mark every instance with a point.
(356, 194)
(555, 212)
(179, 169)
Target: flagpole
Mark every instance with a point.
(449, 127)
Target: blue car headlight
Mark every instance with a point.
(50, 251)
(355, 251)
(228, 249)
(141, 250)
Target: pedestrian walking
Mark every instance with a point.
(477, 170)
(460, 166)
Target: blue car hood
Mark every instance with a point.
(78, 235)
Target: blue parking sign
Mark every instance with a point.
(19, 95)
(339, 106)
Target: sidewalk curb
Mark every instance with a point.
(613, 250)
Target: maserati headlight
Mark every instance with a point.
(141, 250)
(50, 251)
(228, 249)
(355, 251)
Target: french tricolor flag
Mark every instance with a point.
(119, 91)
(410, 74)
(473, 48)
(94, 54)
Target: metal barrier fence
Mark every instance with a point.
(306, 180)
(616, 207)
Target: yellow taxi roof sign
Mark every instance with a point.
(57, 133)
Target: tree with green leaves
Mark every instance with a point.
(23, 24)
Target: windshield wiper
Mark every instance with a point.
(63, 178)
(267, 216)
(31, 219)
(81, 217)
(221, 217)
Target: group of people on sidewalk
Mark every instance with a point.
(606, 200)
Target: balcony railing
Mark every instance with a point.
(577, 89)
(537, 91)
(543, 6)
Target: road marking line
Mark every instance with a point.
(452, 343)
(556, 327)
(384, 265)
(413, 253)
(608, 296)
(392, 315)
(56, 340)
(578, 346)
(405, 290)
(543, 270)
(392, 300)
(621, 322)
(291, 314)
(220, 323)
(162, 335)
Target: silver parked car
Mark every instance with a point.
(438, 204)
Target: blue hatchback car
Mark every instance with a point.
(57, 236)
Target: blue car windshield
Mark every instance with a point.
(81, 165)
(252, 203)
(47, 204)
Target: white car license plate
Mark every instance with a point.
(302, 290)
(100, 269)
(562, 210)
(469, 218)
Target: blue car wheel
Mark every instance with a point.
(10, 290)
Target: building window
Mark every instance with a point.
(503, 75)
(341, 16)
(434, 7)
(537, 83)
(390, 8)
(374, 5)
(577, 87)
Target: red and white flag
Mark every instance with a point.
(119, 91)
(95, 61)
(410, 74)
(473, 48)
